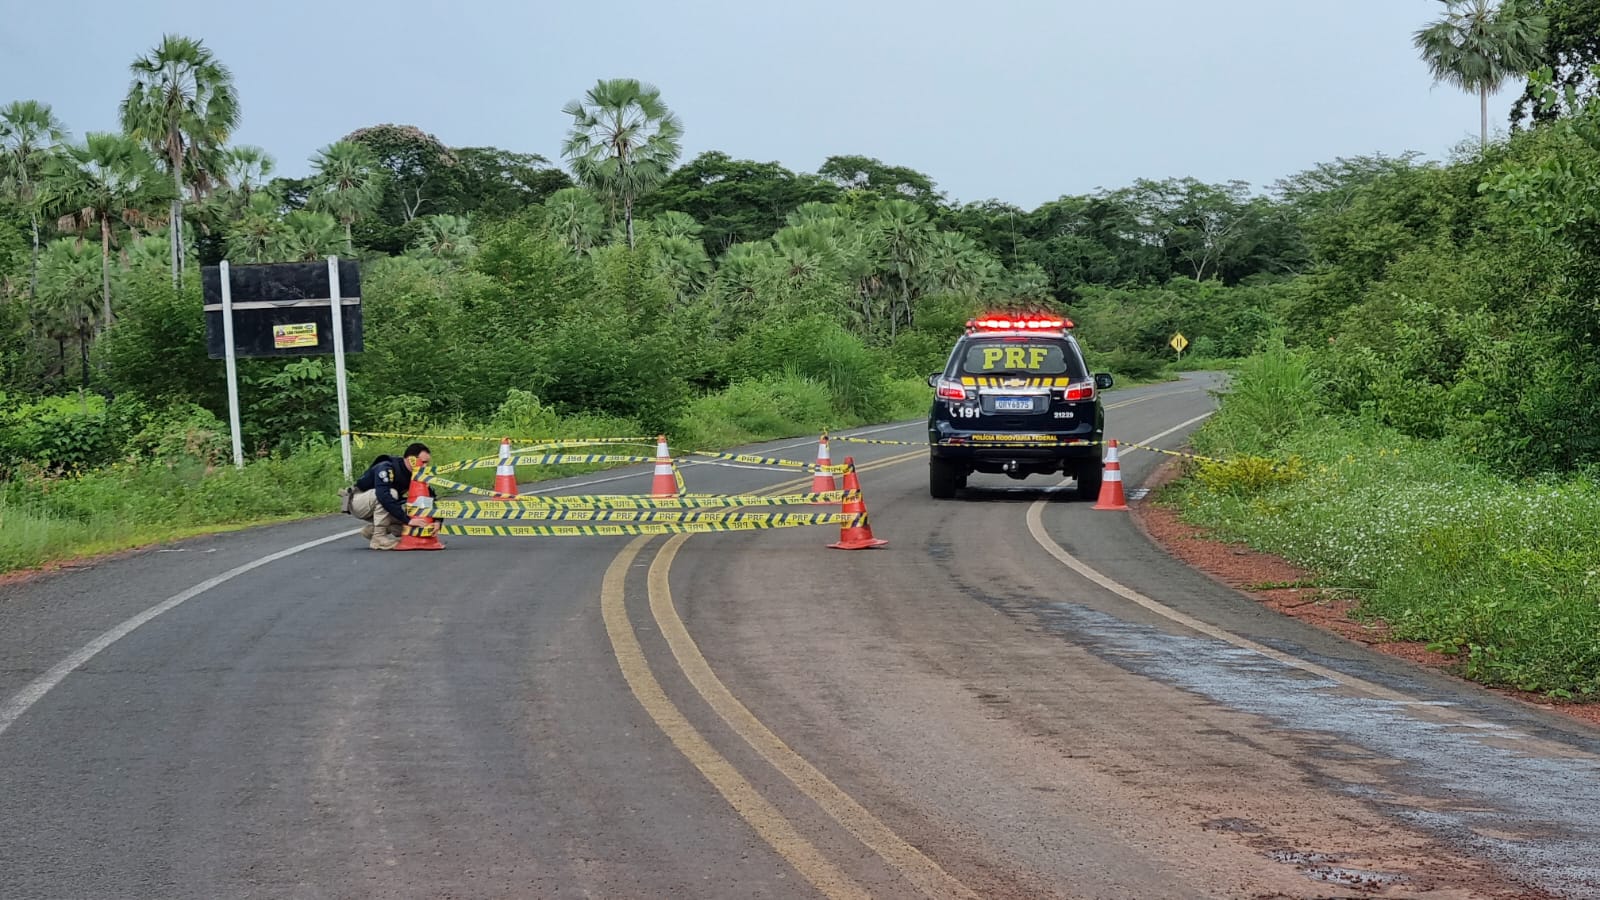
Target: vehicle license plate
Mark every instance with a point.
(1013, 404)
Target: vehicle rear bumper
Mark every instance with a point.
(950, 443)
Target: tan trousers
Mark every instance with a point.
(385, 529)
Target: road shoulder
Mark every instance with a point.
(1285, 588)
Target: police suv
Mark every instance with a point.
(1015, 398)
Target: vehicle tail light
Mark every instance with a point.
(1079, 390)
(952, 390)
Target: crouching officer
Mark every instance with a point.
(380, 496)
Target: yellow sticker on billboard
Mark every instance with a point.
(285, 337)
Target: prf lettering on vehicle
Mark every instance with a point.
(1013, 358)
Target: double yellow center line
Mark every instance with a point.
(775, 829)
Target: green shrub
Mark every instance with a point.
(133, 503)
(1505, 575)
(61, 434)
(774, 406)
(523, 415)
(1129, 365)
(1271, 395)
(289, 404)
(818, 349)
(399, 412)
(179, 431)
(1247, 475)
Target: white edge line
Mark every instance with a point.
(1035, 518)
(35, 690)
(1439, 710)
(1042, 536)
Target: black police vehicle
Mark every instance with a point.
(1017, 399)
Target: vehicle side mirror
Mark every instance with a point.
(933, 380)
(1102, 381)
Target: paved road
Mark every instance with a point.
(1019, 697)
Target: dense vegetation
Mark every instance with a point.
(1428, 433)
(1424, 425)
(635, 288)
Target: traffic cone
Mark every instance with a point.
(823, 482)
(666, 482)
(856, 536)
(505, 474)
(423, 532)
(1111, 496)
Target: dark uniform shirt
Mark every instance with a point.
(391, 479)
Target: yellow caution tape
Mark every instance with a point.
(875, 441)
(764, 461)
(456, 509)
(563, 442)
(699, 527)
(546, 459)
(560, 514)
(1176, 453)
(430, 478)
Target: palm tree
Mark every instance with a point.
(445, 237)
(813, 211)
(107, 178)
(682, 261)
(307, 236)
(348, 184)
(745, 274)
(257, 231)
(572, 216)
(64, 305)
(675, 224)
(182, 105)
(957, 265)
(29, 134)
(146, 252)
(905, 231)
(624, 141)
(242, 172)
(1477, 46)
(245, 169)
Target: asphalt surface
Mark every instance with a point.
(961, 713)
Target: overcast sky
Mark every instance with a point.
(1021, 100)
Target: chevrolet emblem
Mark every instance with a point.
(1013, 382)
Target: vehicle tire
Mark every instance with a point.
(1088, 475)
(944, 478)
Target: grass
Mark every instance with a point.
(1504, 574)
(128, 505)
(46, 520)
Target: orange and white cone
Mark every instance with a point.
(666, 482)
(505, 474)
(823, 482)
(423, 532)
(855, 533)
(1111, 496)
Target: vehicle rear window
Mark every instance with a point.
(1020, 357)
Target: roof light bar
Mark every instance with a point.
(1022, 323)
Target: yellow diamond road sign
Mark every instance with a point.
(1179, 342)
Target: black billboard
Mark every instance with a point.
(282, 309)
